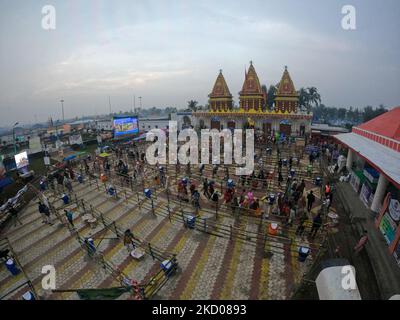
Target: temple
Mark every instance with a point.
(220, 97)
(284, 117)
(251, 97)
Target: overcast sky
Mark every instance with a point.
(169, 52)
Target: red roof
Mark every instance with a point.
(387, 124)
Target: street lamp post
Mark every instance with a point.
(62, 108)
(13, 131)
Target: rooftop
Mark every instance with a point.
(385, 159)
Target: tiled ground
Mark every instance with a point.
(209, 266)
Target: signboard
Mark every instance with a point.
(46, 161)
(365, 194)
(99, 140)
(371, 174)
(394, 210)
(75, 139)
(21, 160)
(125, 125)
(355, 182)
(388, 227)
(35, 145)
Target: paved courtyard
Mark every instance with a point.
(210, 265)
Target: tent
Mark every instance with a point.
(104, 155)
(70, 157)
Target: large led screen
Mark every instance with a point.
(126, 125)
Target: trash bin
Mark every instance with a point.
(147, 193)
(303, 253)
(111, 191)
(230, 183)
(190, 221)
(65, 198)
(292, 172)
(318, 181)
(91, 246)
(167, 267)
(273, 229)
(12, 267)
(284, 162)
(42, 186)
(28, 296)
(271, 198)
(80, 179)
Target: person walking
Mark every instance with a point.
(362, 242)
(205, 188)
(310, 200)
(14, 216)
(128, 240)
(70, 217)
(317, 222)
(302, 224)
(301, 187)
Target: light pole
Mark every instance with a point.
(62, 108)
(13, 131)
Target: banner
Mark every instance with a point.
(75, 139)
(21, 159)
(35, 145)
(394, 210)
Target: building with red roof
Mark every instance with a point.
(373, 159)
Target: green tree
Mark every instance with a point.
(192, 105)
(271, 96)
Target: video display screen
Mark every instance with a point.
(21, 160)
(126, 125)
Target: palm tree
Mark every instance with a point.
(314, 98)
(308, 98)
(271, 96)
(303, 99)
(192, 105)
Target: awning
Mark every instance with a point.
(72, 156)
(384, 159)
(104, 155)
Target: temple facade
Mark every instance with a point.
(283, 117)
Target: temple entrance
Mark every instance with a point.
(267, 129)
(286, 129)
(231, 125)
(215, 124)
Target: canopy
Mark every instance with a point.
(70, 157)
(104, 155)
